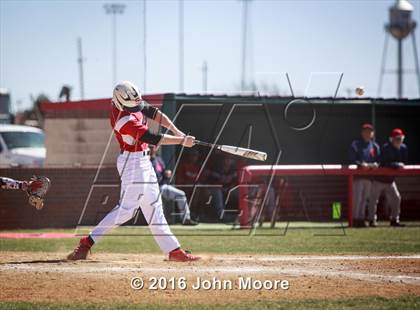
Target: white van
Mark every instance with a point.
(21, 146)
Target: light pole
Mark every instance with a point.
(144, 48)
(204, 70)
(245, 15)
(114, 9)
(181, 45)
(80, 60)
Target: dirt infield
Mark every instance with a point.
(39, 277)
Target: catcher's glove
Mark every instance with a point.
(37, 189)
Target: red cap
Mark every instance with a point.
(397, 132)
(367, 126)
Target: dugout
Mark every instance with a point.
(295, 131)
(305, 130)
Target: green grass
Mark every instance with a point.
(353, 303)
(299, 239)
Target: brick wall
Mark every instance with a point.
(71, 186)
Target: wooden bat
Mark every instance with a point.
(240, 151)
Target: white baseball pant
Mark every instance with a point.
(392, 198)
(361, 193)
(139, 188)
(172, 193)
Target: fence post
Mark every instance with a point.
(350, 199)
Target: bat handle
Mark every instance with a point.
(198, 142)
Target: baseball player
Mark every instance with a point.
(364, 152)
(139, 184)
(36, 188)
(394, 154)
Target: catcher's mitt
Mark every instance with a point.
(37, 190)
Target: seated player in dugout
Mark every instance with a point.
(188, 170)
(394, 154)
(139, 183)
(364, 152)
(169, 193)
(224, 176)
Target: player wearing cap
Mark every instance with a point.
(364, 152)
(139, 184)
(394, 154)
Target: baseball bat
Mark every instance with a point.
(240, 151)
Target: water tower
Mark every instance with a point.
(400, 26)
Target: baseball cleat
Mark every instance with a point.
(82, 250)
(395, 223)
(179, 255)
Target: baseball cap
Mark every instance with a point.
(367, 126)
(397, 132)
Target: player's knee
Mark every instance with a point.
(123, 215)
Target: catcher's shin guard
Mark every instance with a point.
(179, 255)
(82, 250)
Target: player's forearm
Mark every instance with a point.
(187, 141)
(171, 140)
(164, 120)
(7, 183)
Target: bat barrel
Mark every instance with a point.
(239, 151)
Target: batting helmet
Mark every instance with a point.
(126, 97)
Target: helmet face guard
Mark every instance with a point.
(135, 109)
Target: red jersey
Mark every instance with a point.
(128, 129)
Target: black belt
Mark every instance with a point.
(144, 153)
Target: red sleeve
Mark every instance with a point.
(133, 128)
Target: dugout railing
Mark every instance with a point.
(322, 185)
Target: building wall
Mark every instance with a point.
(78, 134)
(79, 142)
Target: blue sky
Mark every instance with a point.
(38, 51)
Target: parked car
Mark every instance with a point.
(21, 146)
